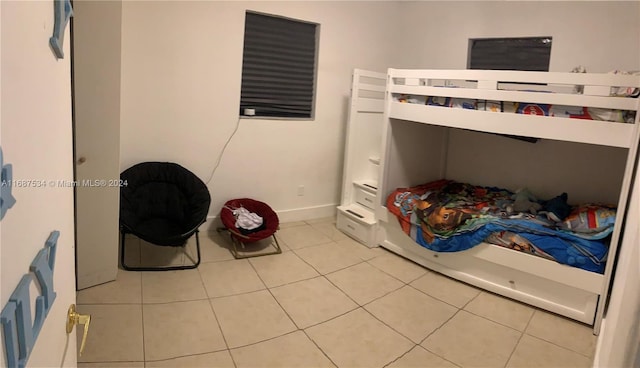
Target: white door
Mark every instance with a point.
(36, 141)
(96, 76)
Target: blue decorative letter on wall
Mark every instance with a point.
(6, 198)
(19, 330)
(62, 13)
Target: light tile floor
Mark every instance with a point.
(326, 301)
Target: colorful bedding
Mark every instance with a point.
(573, 112)
(447, 216)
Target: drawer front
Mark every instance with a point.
(351, 227)
(365, 198)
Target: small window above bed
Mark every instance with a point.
(278, 67)
(517, 53)
(524, 53)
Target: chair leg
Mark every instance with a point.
(234, 248)
(277, 246)
(195, 264)
(122, 252)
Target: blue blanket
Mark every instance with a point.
(446, 216)
(564, 247)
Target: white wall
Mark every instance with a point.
(600, 35)
(37, 141)
(181, 77)
(547, 168)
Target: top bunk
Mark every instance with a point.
(588, 108)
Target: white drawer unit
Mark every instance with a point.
(365, 198)
(357, 223)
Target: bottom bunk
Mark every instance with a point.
(565, 290)
(544, 253)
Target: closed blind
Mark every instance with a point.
(529, 53)
(278, 66)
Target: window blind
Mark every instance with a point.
(529, 53)
(278, 66)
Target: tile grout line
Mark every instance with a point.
(343, 291)
(144, 350)
(559, 346)
(340, 249)
(311, 245)
(274, 298)
(327, 273)
(349, 296)
(319, 348)
(177, 301)
(361, 306)
(388, 273)
(551, 342)
(439, 327)
(515, 347)
(393, 329)
(433, 332)
(401, 356)
(397, 256)
(490, 320)
(435, 298)
(519, 339)
(293, 282)
(291, 319)
(188, 301)
(358, 306)
(332, 318)
(185, 356)
(111, 362)
(472, 299)
(265, 340)
(382, 296)
(215, 316)
(303, 261)
(401, 334)
(265, 286)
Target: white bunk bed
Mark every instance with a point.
(414, 132)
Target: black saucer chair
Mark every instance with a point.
(164, 204)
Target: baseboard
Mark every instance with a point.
(307, 213)
(296, 214)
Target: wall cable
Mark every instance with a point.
(222, 151)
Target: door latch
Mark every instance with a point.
(74, 318)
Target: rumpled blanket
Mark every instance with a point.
(447, 216)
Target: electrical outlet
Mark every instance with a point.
(300, 190)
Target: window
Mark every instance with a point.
(278, 67)
(529, 53)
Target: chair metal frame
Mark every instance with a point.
(235, 243)
(126, 267)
